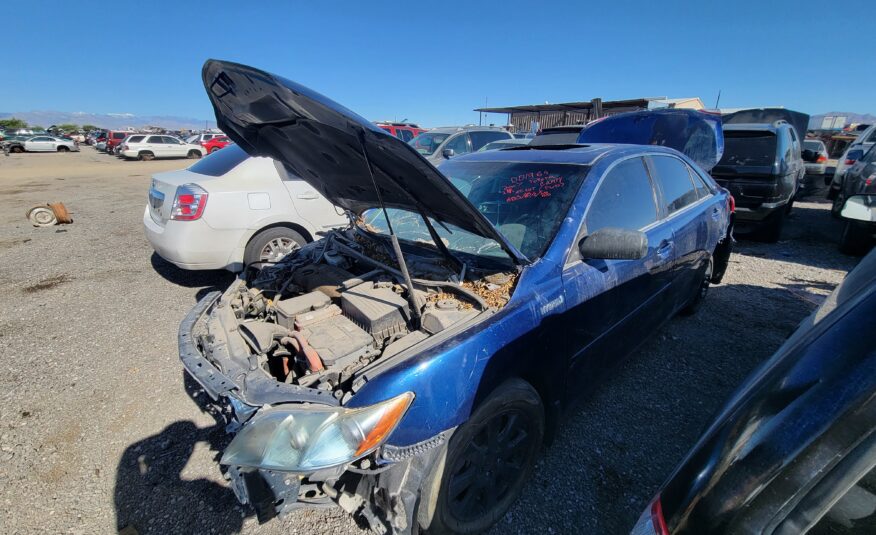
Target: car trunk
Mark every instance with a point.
(163, 191)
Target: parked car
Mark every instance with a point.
(148, 147)
(113, 139)
(198, 139)
(857, 205)
(218, 142)
(856, 149)
(50, 144)
(762, 166)
(403, 131)
(100, 146)
(504, 144)
(13, 143)
(794, 448)
(392, 369)
(441, 144)
(229, 210)
(818, 156)
(557, 135)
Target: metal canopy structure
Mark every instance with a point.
(571, 113)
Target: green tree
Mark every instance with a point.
(12, 123)
(67, 127)
(89, 127)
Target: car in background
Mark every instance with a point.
(857, 205)
(151, 146)
(815, 160)
(50, 144)
(13, 143)
(414, 373)
(558, 135)
(440, 144)
(229, 211)
(218, 142)
(100, 146)
(403, 131)
(198, 139)
(794, 449)
(505, 144)
(855, 151)
(763, 168)
(113, 139)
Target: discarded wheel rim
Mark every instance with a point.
(42, 216)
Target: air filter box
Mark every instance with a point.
(377, 309)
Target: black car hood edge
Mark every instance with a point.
(326, 145)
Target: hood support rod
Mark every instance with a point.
(412, 297)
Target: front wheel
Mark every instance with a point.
(489, 460)
(62, 148)
(855, 239)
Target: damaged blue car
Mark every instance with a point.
(409, 367)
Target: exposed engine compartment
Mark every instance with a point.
(337, 305)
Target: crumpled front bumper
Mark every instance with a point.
(383, 490)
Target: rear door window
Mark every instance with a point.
(748, 148)
(459, 144)
(479, 139)
(625, 199)
(135, 139)
(405, 135)
(155, 139)
(674, 179)
(170, 140)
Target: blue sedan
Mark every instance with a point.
(409, 368)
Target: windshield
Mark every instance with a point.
(526, 202)
(427, 144)
(813, 145)
(748, 148)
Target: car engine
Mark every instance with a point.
(335, 306)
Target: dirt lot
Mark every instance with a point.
(97, 431)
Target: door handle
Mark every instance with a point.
(715, 213)
(308, 196)
(664, 250)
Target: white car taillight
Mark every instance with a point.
(189, 203)
(651, 522)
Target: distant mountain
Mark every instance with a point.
(852, 117)
(112, 121)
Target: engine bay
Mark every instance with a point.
(337, 305)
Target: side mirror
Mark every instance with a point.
(614, 244)
(449, 153)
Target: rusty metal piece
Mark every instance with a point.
(46, 215)
(61, 213)
(299, 343)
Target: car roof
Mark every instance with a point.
(454, 129)
(572, 154)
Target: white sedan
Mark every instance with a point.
(230, 210)
(50, 144)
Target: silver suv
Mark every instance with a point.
(440, 144)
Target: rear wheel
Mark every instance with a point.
(489, 460)
(272, 244)
(146, 156)
(62, 148)
(194, 154)
(855, 239)
(702, 290)
(17, 149)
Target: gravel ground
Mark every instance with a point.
(99, 433)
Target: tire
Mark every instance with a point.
(146, 156)
(489, 460)
(17, 150)
(771, 229)
(193, 154)
(271, 245)
(838, 201)
(62, 148)
(855, 240)
(693, 306)
(214, 149)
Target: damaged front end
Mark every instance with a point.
(284, 354)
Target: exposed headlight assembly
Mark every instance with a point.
(305, 439)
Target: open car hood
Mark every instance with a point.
(800, 121)
(695, 133)
(329, 147)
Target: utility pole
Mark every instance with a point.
(717, 100)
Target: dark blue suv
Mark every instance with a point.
(409, 367)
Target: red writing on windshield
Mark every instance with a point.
(535, 185)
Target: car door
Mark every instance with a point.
(459, 144)
(685, 212)
(174, 147)
(612, 305)
(309, 204)
(38, 144)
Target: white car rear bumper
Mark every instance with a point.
(193, 244)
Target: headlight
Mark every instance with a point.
(306, 439)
